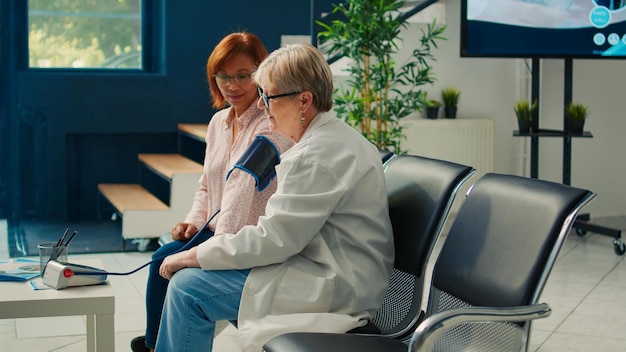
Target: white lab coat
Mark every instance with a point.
(323, 253)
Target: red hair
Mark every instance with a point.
(233, 44)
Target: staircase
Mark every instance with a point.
(146, 214)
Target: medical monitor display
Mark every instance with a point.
(543, 28)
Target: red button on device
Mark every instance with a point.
(68, 273)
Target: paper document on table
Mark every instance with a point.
(18, 269)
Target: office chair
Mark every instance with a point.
(421, 192)
(488, 276)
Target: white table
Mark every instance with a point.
(97, 303)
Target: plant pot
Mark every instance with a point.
(432, 112)
(575, 127)
(524, 126)
(450, 112)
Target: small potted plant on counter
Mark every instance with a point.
(450, 97)
(432, 108)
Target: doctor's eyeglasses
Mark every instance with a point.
(266, 99)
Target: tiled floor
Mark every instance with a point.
(587, 291)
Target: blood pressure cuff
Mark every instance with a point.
(259, 161)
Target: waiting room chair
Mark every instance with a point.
(421, 192)
(489, 274)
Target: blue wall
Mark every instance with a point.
(64, 132)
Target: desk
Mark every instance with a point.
(20, 300)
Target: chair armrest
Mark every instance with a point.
(430, 329)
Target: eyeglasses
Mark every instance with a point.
(224, 80)
(266, 99)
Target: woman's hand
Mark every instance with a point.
(185, 259)
(183, 231)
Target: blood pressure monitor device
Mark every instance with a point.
(61, 275)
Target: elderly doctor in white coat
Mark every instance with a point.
(321, 257)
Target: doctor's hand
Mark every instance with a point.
(183, 231)
(185, 259)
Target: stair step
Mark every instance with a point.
(130, 197)
(194, 130)
(170, 164)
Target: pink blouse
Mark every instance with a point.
(238, 200)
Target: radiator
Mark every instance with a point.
(464, 141)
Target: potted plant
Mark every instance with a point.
(575, 116)
(450, 97)
(432, 108)
(379, 91)
(524, 112)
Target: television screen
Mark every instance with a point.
(543, 28)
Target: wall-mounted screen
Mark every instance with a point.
(543, 28)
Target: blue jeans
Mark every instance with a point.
(195, 300)
(157, 287)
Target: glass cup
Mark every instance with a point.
(48, 251)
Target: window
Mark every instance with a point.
(103, 34)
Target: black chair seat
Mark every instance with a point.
(311, 342)
(370, 329)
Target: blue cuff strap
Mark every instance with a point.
(259, 161)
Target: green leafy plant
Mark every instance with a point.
(450, 97)
(378, 91)
(524, 110)
(576, 111)
(432, 108)
(432, 103)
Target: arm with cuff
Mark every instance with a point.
(250, 183)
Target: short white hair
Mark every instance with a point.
(296, 68)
